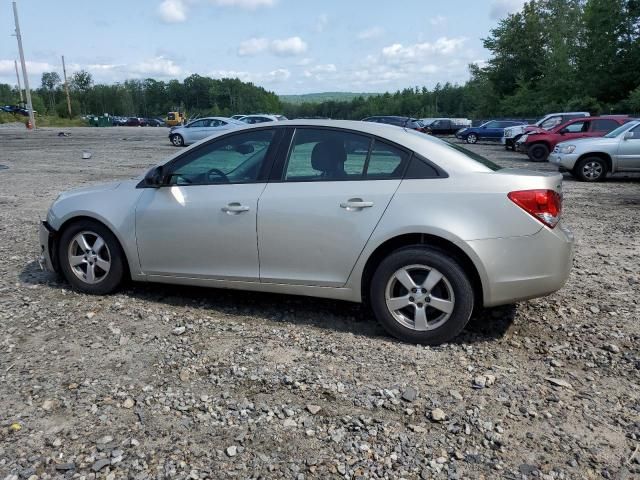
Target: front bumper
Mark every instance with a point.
(519, 268)
(47, 237)
(564, 161)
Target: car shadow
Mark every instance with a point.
(335, 315)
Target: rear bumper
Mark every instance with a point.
(519, 268)
(47, 235)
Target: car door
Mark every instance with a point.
(490, 130)
(193, 132)
(629, 150)
(317, 215)
(202, 222)
(575, 129)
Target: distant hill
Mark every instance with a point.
(323, 97)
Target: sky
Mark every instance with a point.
(286, 46)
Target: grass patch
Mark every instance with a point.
(43, 121)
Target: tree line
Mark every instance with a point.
(553, 55)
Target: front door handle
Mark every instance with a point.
(235, 208)
(356, 204)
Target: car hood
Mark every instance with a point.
(89, 189)
(593, 141)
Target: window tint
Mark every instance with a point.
(492, 124)
(604, 125)
(197, 124)
(577, 127)
(234, 159)
(419, 169)
(386, 161)
(636, 131)
(326, 155)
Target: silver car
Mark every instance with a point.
(590, 159)
(421, 229)
(201, 128)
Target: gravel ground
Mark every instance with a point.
(172, 382)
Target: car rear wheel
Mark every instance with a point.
(177, 140)
(421, 295)
(472, 138)
(538, 152)
(91, 258)
(592, 169)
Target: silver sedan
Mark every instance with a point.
(201, 128)
(421, 229)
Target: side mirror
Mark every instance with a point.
(154, 177)
(245, 149)
(629, 135)
(562, 132)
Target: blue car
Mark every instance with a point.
(492, 130)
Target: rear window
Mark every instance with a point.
(474, 156)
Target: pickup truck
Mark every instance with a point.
(445, 126)
(549, 121)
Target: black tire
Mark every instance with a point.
(591, 169)
(107, 281)
(455, 281)
(177, 140)
(538, 152)
(471, 138)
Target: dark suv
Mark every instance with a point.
(406, 122)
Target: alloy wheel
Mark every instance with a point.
(472, 138)
(89, 257)
(592, 170)
(419, 297)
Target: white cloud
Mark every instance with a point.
(7, 68)
(322, 22)
(319, 71)
(285, 47)
(502, 8)
(274, 76)
(304, 62)
(253, 46)
(279, 75)
(410, 53)
(172, 11)
(438, 20)
(289, 46)
(158, 66)
(244, 4)
(370, 33)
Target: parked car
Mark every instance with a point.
(421, 229)
(155, 122)
(261, 118)
(16, 110)
(201, 128)
(539, 143)
(237, 117)
(446, 126)
(136, 122)
(405, 122)
(492, 130)
(591, 159)
(119, 121)
(549, 121)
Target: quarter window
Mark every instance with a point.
(386, 161)
(603, 125)
(577, 127)
(234, 159)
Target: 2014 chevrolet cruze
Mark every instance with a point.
(422, 229)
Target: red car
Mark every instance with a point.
(539, 143)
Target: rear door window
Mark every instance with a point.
(577, 127)
(386, 162)
(603, 125)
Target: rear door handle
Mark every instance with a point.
(235, 208)
(356, 204)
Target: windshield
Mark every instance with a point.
(620, 129)
(473, 156)
(549, 123)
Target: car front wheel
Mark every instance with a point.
(592, 169)
(472, 138)
(421, 295)
(177, 140)
(538, 152)
(91, 258)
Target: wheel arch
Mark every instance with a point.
(423, 239)
(604, 156)
(83, 217)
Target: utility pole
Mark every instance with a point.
(66, 86)
(25, 77)
(15, 62)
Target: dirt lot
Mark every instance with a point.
(282, 387)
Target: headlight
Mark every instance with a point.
(567, 148)
(508, 132)
(523, 138)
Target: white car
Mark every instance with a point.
(262, 118)
(201, 128)
(590, 159)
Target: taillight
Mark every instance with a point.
(544, 205)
